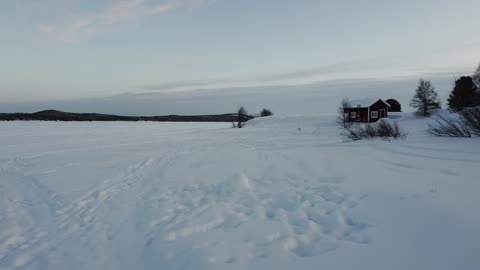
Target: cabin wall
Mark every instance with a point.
(361, 114)
(377, 107)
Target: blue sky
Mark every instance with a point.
(70, 49)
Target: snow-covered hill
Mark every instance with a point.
(283, 193)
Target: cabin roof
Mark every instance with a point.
(366, 102)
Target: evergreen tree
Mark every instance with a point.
(464, 94)
(266, 112)
(425, 99)
(395, 106)
(476, 76)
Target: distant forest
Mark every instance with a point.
(53, 115)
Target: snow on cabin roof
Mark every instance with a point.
(366, 102)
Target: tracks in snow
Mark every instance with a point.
(293, 208)
(291, 204)
(38, 235)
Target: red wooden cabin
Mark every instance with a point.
(366, 110)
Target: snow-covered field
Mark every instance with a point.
(206, 196)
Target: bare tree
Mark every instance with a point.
(242, 115)
(425, 99)
(342, 118)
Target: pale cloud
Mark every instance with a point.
(45, 28)
(117, 13)
(354, 69)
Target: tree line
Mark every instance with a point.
(243, 116)
(463, 101)
(465, 94)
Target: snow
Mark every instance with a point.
(282, 193)
(365, 102)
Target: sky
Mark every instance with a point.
(54, 50)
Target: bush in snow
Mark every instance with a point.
(464, 124)
(447, 126)
(471, 119)
(388, 129)
(384, 129)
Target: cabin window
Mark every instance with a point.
(374, 114)
(353, 115)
